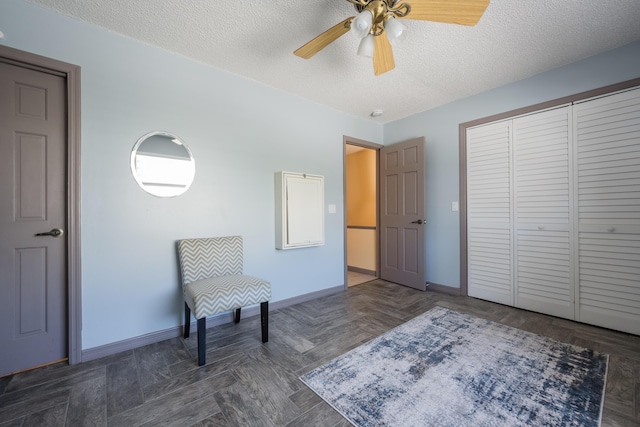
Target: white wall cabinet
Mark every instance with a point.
(553, 211)
(299, 210)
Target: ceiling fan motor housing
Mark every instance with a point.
(381, 11)
(365, 3)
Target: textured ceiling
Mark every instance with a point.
(437, 63)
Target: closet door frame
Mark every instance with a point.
(605, 90)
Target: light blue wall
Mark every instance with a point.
(440, 127)
(240, 133)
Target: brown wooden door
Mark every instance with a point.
(402, 216)
(33, 291)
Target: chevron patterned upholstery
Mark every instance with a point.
(214, 295)
(210, 257)
(213, 282)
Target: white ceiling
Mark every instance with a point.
(437, 64)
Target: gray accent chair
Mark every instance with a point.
(213, 282)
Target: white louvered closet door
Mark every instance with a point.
(489, 217)
(543, 269)
(608, 204)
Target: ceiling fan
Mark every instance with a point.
(377, 26)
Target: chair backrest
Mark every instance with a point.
(209, 257)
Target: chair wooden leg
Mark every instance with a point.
(187, 320)
(264, 320)
(202, 341)
(236, 315)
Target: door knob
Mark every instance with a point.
(419, 221)
(56, 232)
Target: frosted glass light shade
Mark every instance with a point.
(361, 24)
(366, 47)
(396, 31)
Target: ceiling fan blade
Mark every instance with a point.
(463, 12)
(323, 40)
(382, 55)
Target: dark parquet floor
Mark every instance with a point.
(246, 383)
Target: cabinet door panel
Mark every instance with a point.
(304, 211)
(299, 210)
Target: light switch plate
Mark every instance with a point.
(332, 208)
(454, 206)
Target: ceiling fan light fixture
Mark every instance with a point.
(361, 25)
(396, 31)
(374, 18)
(366, 47)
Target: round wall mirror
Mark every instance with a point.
(162, 164)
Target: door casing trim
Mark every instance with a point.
(71, 74)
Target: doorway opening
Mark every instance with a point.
(394, 248)
(362, 240)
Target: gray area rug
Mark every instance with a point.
(445, 368)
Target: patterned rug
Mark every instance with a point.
(445, 368)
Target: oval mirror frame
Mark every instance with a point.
(162, 164)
